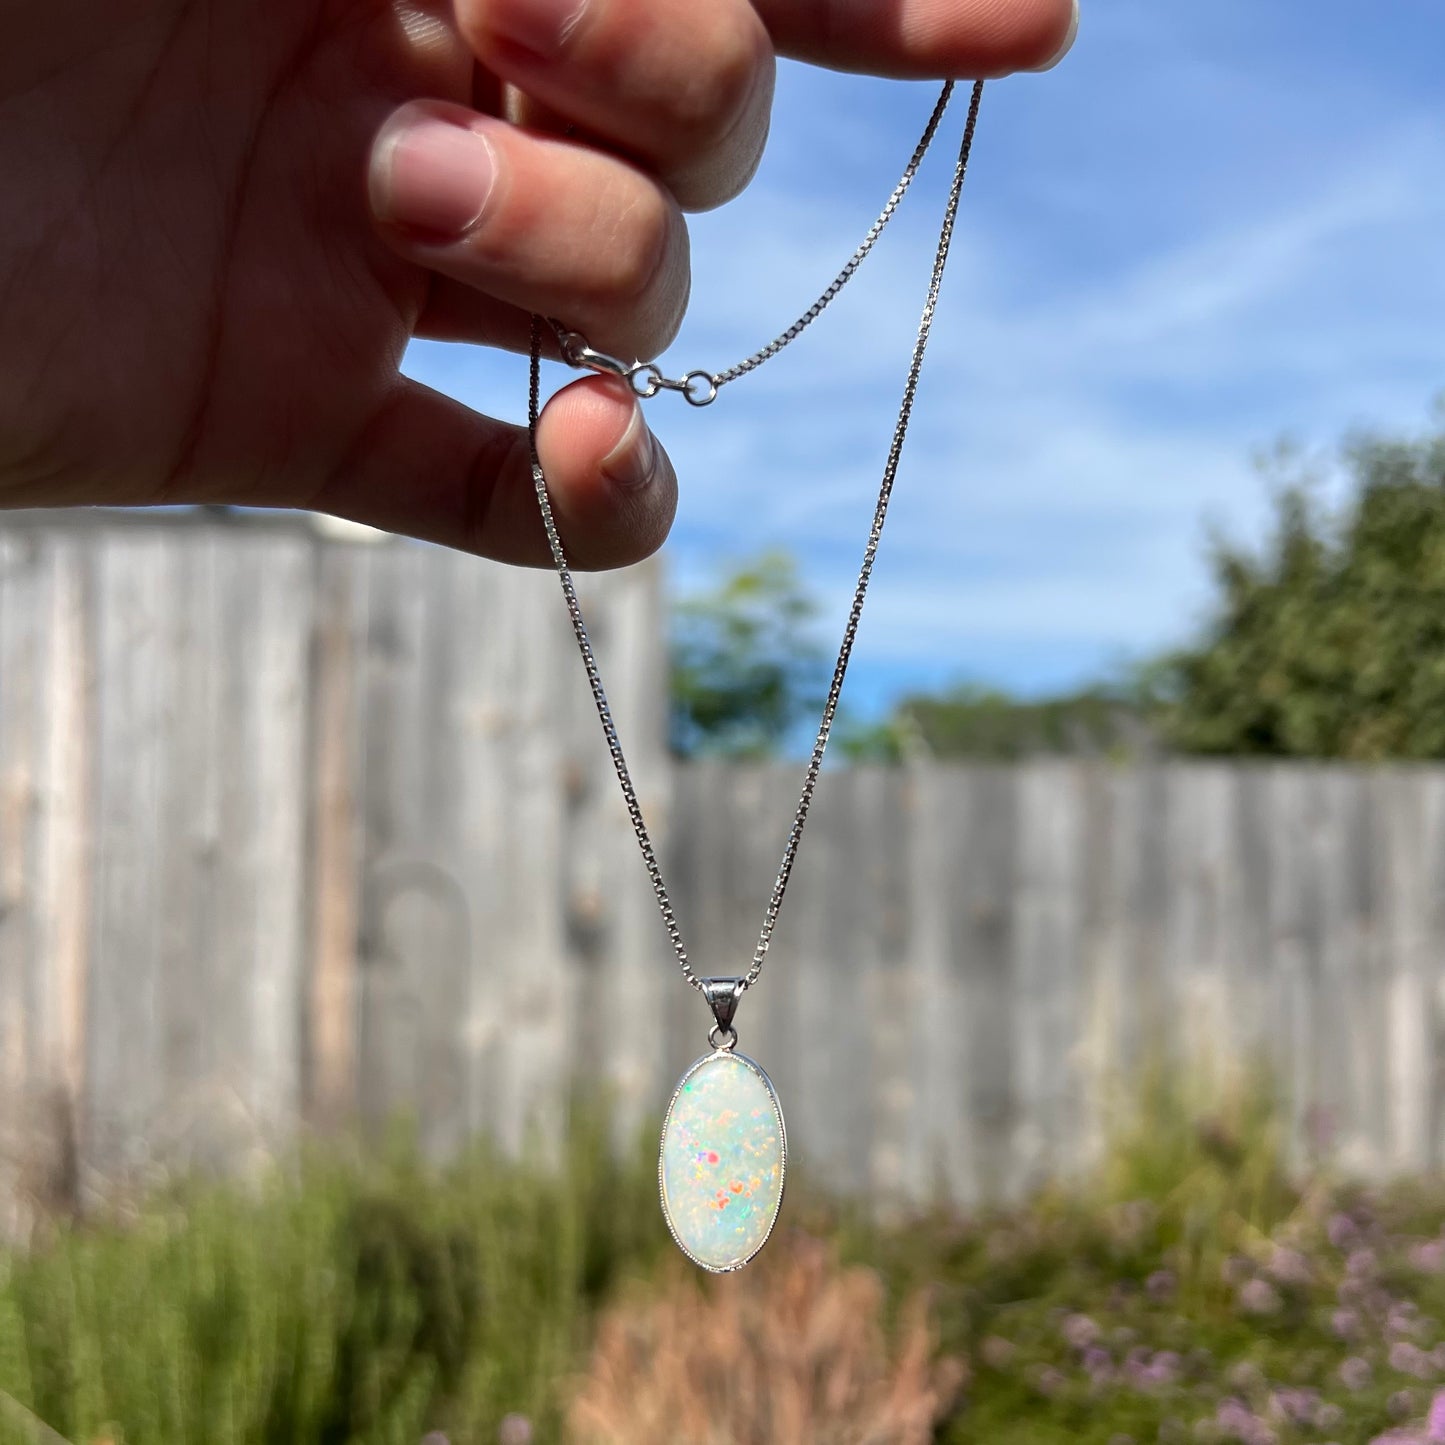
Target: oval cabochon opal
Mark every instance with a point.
(724, 1153)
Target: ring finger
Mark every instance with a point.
(535, 221)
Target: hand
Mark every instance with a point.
(224, 219)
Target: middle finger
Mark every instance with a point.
(536, 222)
(686, 89)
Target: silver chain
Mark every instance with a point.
(880, 512)
(699, 387)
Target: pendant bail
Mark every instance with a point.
(722, 996)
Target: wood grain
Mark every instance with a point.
(295, 829)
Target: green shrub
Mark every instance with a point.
(1189, 1290)
(337, 1303)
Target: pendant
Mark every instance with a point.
(724, 1149)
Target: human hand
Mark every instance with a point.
(224, 219)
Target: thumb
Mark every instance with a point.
(426, 466)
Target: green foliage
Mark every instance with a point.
(1187, 1289)
(985, 724)
(1329, 642)
(745, 667)
(333, 1305)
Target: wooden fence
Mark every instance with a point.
(298, 830)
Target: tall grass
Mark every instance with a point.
(364, 1303)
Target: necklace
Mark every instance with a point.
(724, 1150)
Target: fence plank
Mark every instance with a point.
(333, 992)
(24, 586)
(64, 864)
(282, 579)
(136, 582)
(288, 823)
(202, 992)
(1047, 1007)
(416, 974)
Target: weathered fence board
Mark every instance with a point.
(293, 829)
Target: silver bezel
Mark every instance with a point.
(758, 1069)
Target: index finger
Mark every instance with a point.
(940, 39)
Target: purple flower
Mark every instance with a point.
(1234, 1414)
(1361, 1263)
(1355, 1373)
(1328, 1416)
(1342, 1230)
(1410, 1359)
(1429, 1257)
(1165, 1367)
(997, 1352)
(514, 1430)
(1160, 1286)
(1258, 1297)
(1152, 1376)
(1080, 1331)
(1246, 1377)
(1345, 1323)
(1403, 1319)
(1239, 1422)
(1288, 1266)
(1098, 1362)
(1235, 1269)
(1298, 1407)
(1401, 1403)
(1435, 1420)
(1048, 1380)
(1352, 1291)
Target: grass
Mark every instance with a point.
(335, 1302)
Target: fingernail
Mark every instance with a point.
(541, 26)
(1067, 46)
(433, 175)
(632, 463)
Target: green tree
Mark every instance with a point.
(1329, 641)
(746, 668)
(988, 724)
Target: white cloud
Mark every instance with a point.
(1158, 268)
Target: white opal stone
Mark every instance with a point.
(724, 1153)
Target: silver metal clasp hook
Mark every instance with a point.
(723, 996)
(699, 388)
(576, 352)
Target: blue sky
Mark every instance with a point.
(1211, 227)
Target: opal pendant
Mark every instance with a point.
(724, 1153)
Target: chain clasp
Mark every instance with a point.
(699, 388)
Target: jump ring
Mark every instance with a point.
(645, 381)
(700, 387)
(721, 1038)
